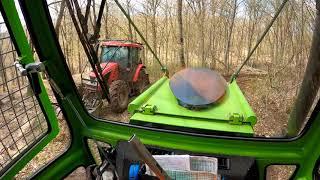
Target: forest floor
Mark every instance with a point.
(271, 122)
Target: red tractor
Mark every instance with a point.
(122, 69)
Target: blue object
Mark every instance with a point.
(197, 87)
(134, 172)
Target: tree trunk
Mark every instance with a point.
(181, 38)
(202, 15)
(130, 35)
(2, 72)
(59, 19)
(146, 37)
(154, 33)
(106, 21)
(226, 57)
(310, 84)
(212, 34)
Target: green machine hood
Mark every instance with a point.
(157, 106)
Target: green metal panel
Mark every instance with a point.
(231, 114)
(193, 123)
(24, 51)
(139, 101)
(303, 151)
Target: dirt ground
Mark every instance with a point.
(272, 115)
(21, 123)
(50, 152)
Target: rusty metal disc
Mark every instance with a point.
(197, 87)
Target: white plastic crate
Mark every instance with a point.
(185, 167)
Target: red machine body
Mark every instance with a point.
(119, 60)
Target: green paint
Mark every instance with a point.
(231, 114)
(236, 119)
(303, 151)
(194, 123)
(140, 100)
(25, 52)
(149, 109)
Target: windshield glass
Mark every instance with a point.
(117, 54)
(203, 93)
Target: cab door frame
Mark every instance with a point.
(13, 23)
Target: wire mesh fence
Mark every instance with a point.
(22, 122)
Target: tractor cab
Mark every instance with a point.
(120, 55)
(125, 53)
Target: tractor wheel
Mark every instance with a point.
(143, 81)
(119, 96)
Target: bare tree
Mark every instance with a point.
(59, 18)
(198, 7)
(229, 38)
(130, 32)
(152, 8)
(212, 34)
(181, 38)
(106, 21)
(2, 72)
(310, 84)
